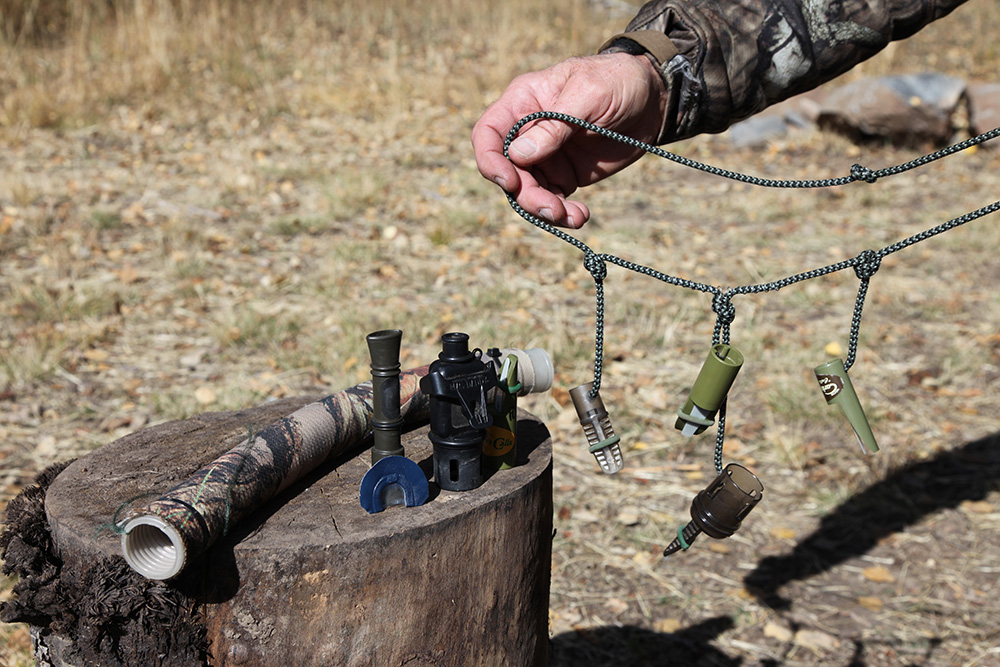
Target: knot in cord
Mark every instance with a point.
(867, 263)
(724, 308)
(595, 264)
(862, 173)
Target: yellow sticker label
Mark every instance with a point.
(498, 441)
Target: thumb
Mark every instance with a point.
(540, 142)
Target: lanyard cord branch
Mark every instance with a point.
(858, 172)
(865, 264)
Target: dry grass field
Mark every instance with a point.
(206, 205)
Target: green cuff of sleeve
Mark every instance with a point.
(653, 42)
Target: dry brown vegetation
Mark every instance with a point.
(207, 205)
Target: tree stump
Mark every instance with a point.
(311, 578)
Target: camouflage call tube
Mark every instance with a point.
(160, 538)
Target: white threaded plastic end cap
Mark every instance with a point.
(541, 362)
(534, 370)
(153, 547)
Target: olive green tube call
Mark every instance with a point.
(386, 422)
(839, 390)
(709, 390)
(500, 444)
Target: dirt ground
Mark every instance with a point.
(157, 267)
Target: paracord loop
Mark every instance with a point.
(862, 173)
(868, 263)
(724, 308)
(595, 265)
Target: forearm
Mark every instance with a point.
(736, 57)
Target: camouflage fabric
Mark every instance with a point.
(736, 57)
(209, 503)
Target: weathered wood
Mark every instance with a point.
(312, 579)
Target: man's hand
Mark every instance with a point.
(551, 159)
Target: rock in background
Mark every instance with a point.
(984, 107)
(911, 108)
(904, 109)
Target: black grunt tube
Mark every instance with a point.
(386, 421)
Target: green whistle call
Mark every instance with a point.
(500, 444)
(709, 390)
(839, 390)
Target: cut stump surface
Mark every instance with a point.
(313, 579)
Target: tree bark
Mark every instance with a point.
(313, 579)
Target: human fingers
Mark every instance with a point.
(577, 214)
(487, 144)
(526, 94)
(532, 193)
(599, 89)
(547, 201)
(575, 86)
(561, 173)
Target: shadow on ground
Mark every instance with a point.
(631, 646)
(912, 492)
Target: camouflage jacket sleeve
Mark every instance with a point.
(732, 58)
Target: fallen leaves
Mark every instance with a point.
(616, 606)
(879, 574)
(777, 631)
(667, 625)
(817, 641)
(205, 395)
(629, 516)
(977, 507)
(871, 602)
(783, 533)
(834, 349)
(127, 274)
(96, 355)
